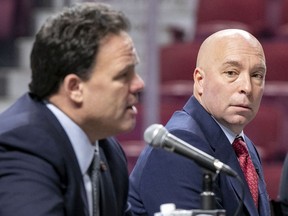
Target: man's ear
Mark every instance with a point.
(73, 86)
(198, 76)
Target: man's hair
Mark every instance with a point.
(68, 43)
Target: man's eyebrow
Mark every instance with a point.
(238, 64)
(129, 67)
(232, 63)
(261, 67)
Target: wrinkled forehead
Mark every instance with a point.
(130, 49)
(242, 47)
(225, 44)
(239, 42)
(120, 46)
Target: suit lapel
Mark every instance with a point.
(107, 191)
(237, 186)
(263, 195)
(223, 149)
(225, 153)
(76, 198)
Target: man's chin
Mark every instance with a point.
(128, 126)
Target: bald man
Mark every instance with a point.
(229, 82)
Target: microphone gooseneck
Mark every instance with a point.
(158, 136)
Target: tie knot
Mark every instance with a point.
(240, 147)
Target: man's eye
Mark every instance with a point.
(258, 75)
(124, 74)
(230, 73)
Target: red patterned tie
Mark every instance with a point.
(247, 167)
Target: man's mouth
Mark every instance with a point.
(132, 107)
(243, 106)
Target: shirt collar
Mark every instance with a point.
(229, 134)
(83, 148)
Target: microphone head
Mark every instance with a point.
(155, 135)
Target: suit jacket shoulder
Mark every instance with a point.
(179, 180)
(38, 165)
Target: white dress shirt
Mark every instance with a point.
(229, 134)
(83, 148)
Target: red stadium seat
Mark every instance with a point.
(7, 11)
(276, 60)
(217, 15)
(178, 61)
(272, 175)
(267, 132)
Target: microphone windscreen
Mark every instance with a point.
(155, 134)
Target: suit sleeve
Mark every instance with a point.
(169, 178)
(283, 192)
(29, 183)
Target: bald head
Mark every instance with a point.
(229, 77)
(216, 44)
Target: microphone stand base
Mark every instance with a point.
(214, 212)
(196, 212)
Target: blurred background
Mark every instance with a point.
(167, 35)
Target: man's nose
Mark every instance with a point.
(137, 84)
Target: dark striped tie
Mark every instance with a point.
(95, 172)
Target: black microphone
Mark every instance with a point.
(158, 136)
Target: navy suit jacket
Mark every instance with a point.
(39, 172)
(161, 177)
(283, 191)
